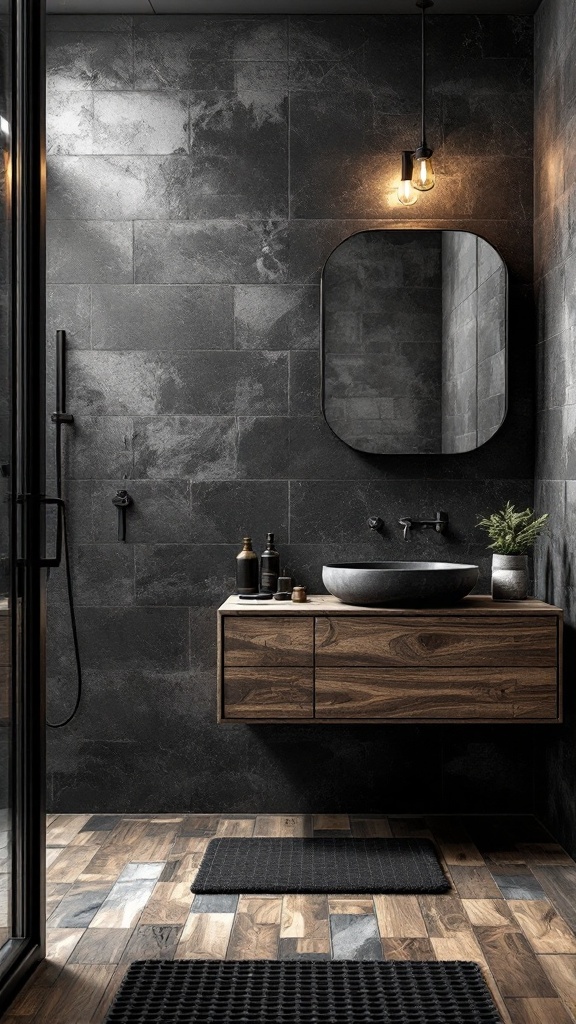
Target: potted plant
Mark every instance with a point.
(513, 535)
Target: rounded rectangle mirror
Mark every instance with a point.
(414, 339)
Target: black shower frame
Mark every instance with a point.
(27, 510)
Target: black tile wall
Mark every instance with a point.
(555, 251)
(201, 169)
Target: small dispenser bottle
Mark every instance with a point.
(247, 569)
(269, 567)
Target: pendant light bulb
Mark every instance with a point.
(405, 192)
(423, 177)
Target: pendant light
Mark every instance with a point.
(417, 169)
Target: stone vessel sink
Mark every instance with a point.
(399, 583)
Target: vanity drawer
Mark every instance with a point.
(480, 693)
(268, 693)
(259, 640)
(436, 641)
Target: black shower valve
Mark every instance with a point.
(122, 500)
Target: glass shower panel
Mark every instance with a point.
(6, 604)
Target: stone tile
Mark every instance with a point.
(159, 384)
(135, 123)
(97, 446)
(101, 823)
(304, 383)
(276, 317)
(519, 887)
(79, 907)
(355, 937)
(103, 574)
(177, 574)
(214, 904)
(263, 443)
(120, 187)
(162, 317)
(231, 37)
(67, 308)
(210, 252)
(240, 147)
(140, 870)
(115, 638)
(80, 60)
(86, 251)
(190, 447)
(69, 123)
(225, 511)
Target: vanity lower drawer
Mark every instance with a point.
(251, 640)
(478, 693)
(268, 693)
(435, 641)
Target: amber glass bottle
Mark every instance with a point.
(247, 569)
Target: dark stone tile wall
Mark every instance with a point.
(555, 253)
(201, 169)
(5, 431)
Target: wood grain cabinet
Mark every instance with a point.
(324, 661)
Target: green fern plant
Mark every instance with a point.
(512, 532)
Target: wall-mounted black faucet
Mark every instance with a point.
(122, 501)
(440, 523)
(375, 523)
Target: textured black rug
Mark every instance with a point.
(320, 865)
(311, 991)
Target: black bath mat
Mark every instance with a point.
(310, 991)
(320, 865)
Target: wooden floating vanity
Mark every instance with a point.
(328, 662)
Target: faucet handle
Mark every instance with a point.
(375, 523)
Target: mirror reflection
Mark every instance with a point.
(414, 341)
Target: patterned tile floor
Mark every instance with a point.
(119, 890)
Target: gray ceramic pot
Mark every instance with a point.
(509, 577)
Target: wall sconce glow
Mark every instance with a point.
(418, 162)
(406, 194)
(4, 127)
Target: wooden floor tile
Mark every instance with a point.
(124, 904)
(460, 946)
(350, 904)
(305, 919)
(331, 822)
(443, 915)
(152, 942)
(70, 864)
(241, 827)
(562, 973)
(205, 937)
(169, 903)
(513, 964)
(559, 884)
(491, 913)
(464, 853)
(538, 1011)
(100, 946)
(407, 949)
(256, 929)
(289, 825)
(474, 883)
(77, 995)
(545, 930)
(99, 1015)
(545, 853)
(400, 917)
(64, 828)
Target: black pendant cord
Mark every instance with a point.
(68, 570)
(423, 5)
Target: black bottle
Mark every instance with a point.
(269, 567)
(247, 569)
